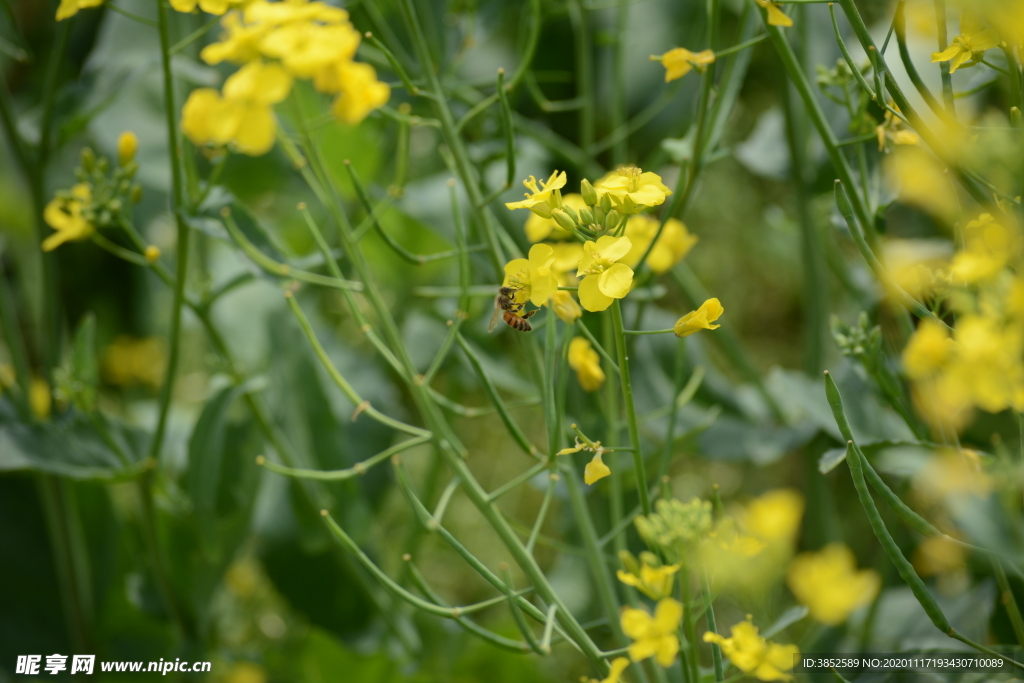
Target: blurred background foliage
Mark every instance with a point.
(258, 586)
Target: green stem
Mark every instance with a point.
(584, 70)
(71, 560)
(1009, 601)
(631, 421)
(947, 77)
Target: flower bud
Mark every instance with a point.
(114, 205)
(571, 213)
(588, 192)
(152, 253)
(102, 165)
(563, 220)
(542, 210)
(586, 217)
(136, 194)
(606, 203)
(1015, 116)
(599, 215)
(611, 220)
(88, 159)
(127, 146)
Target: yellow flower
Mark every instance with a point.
(631, 190)
(539, 194)
(596, 469)
(587, 364)
(679, 61)
(671, 248)
(128, 362)
(306, 48)
(245, 672)
(988, 247)
(938, 555)
(539, 228)
(776, 17)
(920, 267)
(240, 43)
(69, 8)
(922, 181)
(565, 307)
(604, 280)
(968, 48)
(360, 92)
(152, 253)
(243, 115)
(39, 399)
(774, 516)
(567, 259)
(952, 474)
(127, 146)
(619, 664)
(701, 319)
(928, 350)
(830, 585)
(654, 582)
(65, 216)
(893, 128)
(653, 636)
(752, 654)
(533, 277)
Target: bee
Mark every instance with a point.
(511, 312)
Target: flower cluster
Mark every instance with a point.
(676, 526)
(276, 43)
(753, 654)
(968, 47)
(830, 585)
(99, 197)
(596, 469)
(648, 575)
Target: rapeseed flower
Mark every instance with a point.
(968, 48)
(243, 116)
(533, 277)
(595, 469)
(828, 583)
(539, 228)
(672, 246)
(675, 527)
(632, 190)
(776, 17)
(127, 146)
(541, 193)
(40, 400)
(988, 248)
(648, 576)
(618, 665)
(701, 319)
(653, 636)
(128, 362)
(565, 307)
(604, 280)
(928, 350)
(679, 61)
(752, 654)
(587, 364)
(359, 92)
(217, 7)
(66, 216)
(922, 181)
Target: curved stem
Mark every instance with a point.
(631, 421)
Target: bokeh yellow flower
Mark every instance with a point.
(653, 636)
(127, 146)
(128, 362)
(217, 7)
(988, 248)
(921, 181)
(671, 248)
(539, 193)
(604, 280)
(618, 665)
(927, 351)
(533, 277)
(701, 319)
(774, 516)
(653, 581)
(40, 400)
(679, 61)
(587, 364)
(65, 215)
(828, 583)
(565, 307)
(69, 8)
(752, 654)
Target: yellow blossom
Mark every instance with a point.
(539, 193)
(679, 61)
(752, 654)
(69, 8)
(927, 351)
(239, 44)
(917, 266)
(65, 216)
(671, 248)
(533, 277)
(952, 473)
(359, 93)
(774, 516)
(830, 585)
(893, 129)
(243, 116)
(653, 636)
(39, 398)
(127, 146)
(938, 555)
(631, 190)
(968, 48)
(306, 48)
(922, 181)
(596, 469)
(654, 582)
(988, 248)
(565, 307)
(587, 364)
(539, 228)
(129, 361)
(152, 253)
(217, 7)
(604, 280)
(776, 17)
(701, 319)
(619, 664)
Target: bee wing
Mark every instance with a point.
(494, 316)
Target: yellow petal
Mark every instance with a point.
(612, 248)
(616, 281)
(595, 470)
(591, 296)
(541, 255)
(183, 5)
(667, 649)
(515, 270)
(776, 17)
(668, 614)
(201, 108)
(952, 51)
(984, 40)
(619, 664)
(257, 131)
(635, 622)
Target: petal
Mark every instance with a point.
(543, 285)
(612, 248)
(198, 112)
(595, 470)
(668, 614)
(616, 281)
(183, 5)
(256, 132)
(538, 227)
(514, 270)
(635, 622)
(619, 664)
(667, 649)
(627, 578)
(984, 40)
(776, 17)
(591, 296)
(541, 255)
(952, 51)
(958, 61)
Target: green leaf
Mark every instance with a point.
(788, 618)
(70, 445)
(78, 377)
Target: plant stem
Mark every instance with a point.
(627, 396)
